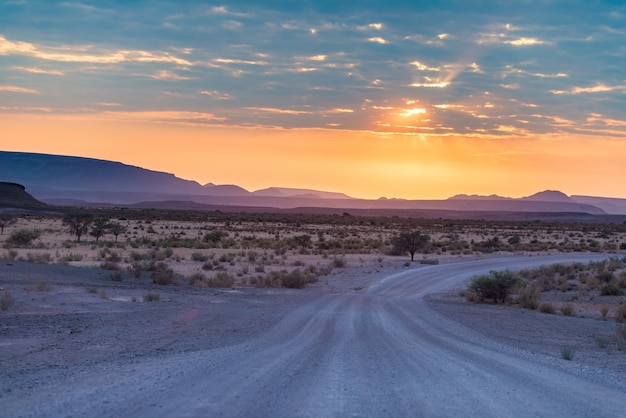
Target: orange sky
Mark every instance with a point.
(359, 163)
(382, 98)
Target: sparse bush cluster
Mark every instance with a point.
(593, 281)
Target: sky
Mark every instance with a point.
(406, 99)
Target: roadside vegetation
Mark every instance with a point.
(596, 289)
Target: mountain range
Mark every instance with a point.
(67, 180)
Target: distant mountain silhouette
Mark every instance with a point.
(291, 192)
(549, 196)
(13, 195)
(478, 197)
(68, 180)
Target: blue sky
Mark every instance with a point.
(493, 69)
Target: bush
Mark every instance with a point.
(221, 279)
(620, 314)
(6, 301)
(567, 353)
(198, 280)
(152, 297)
(529, 297)
(547, 307)
(23, 237)
(110, 265)
(495, 286)
(567, 310)
(164, 277)
(429, 261)
(38, 258)
(199, 257)
(297, 279)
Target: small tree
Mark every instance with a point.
(78, 223)
(116, 229)
(409, 242)
(99, 227)
(6, 220)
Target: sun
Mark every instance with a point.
(413, 112)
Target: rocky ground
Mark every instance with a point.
(69, 321)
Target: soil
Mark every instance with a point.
(69, 321)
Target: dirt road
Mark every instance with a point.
(378, 351)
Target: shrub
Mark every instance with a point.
(495, 286)
(152, 297)
(297, 279)
(567, 309)
(567, 353)
(39, 258)
(199, 257)
(604, 310)
(620, 314)
(6, 301)
(198, 279)
(602, 341)
(547, 307)
(610, 289)
(116, 276)
(23, 237)
(43, 286)
(164, 277)
(339, 262)
(110, 265)
(529, 297)
(429, 261)
(221, 279)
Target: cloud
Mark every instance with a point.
(15, 89)
(526, 41)
(599, 88)
(423, 67)
(34, 70)
(378, 40)
(168, 75)
(217, 94)
(238, 61)
(280, 111)
(79, 54)
(431, 85)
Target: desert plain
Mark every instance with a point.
(300, 315)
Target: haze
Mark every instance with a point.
(411, 99)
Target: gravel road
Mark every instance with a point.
(378, 351)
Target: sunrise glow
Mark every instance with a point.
(388, 101)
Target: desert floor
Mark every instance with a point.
(374, 338)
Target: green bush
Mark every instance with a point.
(496, 286)
(23, 237)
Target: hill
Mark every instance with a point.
(67, 180)
(13, 195)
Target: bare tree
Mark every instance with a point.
(78, 223)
